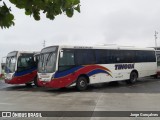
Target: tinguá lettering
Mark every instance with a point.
(124, 66)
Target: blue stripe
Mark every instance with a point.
(97, 71)
(24, 72)
(67, 72)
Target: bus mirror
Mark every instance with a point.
(61, 53)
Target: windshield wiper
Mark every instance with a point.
(48, 58)
(42, 59)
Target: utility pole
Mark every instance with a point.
(44, 43)
(156, 39)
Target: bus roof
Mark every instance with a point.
(13, 53)
(102, 47)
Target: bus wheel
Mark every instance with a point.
(28, 84)
(133, 78)
(81, 83)
(36, 82)
(155, 76)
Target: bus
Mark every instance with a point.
(2, 67)
(64, 66)
(158, 62)
(21, 67)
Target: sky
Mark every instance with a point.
(121, 22)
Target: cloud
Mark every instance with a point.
(124, 22)
(133, 25)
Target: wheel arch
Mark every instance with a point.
(86, 76)
(135, 72)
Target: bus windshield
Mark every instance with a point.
(10, 64)
(25, 62)
(47, 60)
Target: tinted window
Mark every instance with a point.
(125, 56)
(114, 56)
(25, 63)
(151, 56)
(85, 57)
(145, 56)
(67, 60)
(102, 56)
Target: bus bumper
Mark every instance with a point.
(12, 81)
(17, 81)
(50, 84)
(55, 83)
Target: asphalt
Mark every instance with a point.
(115, 96)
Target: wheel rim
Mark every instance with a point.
(134, 77)
(82, 83)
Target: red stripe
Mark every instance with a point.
(71, 78)
(22, 79)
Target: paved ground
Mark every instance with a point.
(142, 96)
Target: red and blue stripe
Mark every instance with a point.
(67, 77)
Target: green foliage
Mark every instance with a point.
(51, 8)
(6, 18)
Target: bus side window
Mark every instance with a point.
(151, 56)
(66, 61)
(114, 56)
(126, 56)
(145, 56)
(84, 57)
(102, 56)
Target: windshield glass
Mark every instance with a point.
(47, 62)
(25, 62)
(10, 64)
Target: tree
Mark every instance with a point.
(51, 8)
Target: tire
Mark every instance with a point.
(81, 83)
(133, 78)
(28, 84)
(36, 82)
(155, 76)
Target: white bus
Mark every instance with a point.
(2, 66)
(21, 67)
(158, 62)
(63, 66)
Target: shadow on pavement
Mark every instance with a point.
(146, 85)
